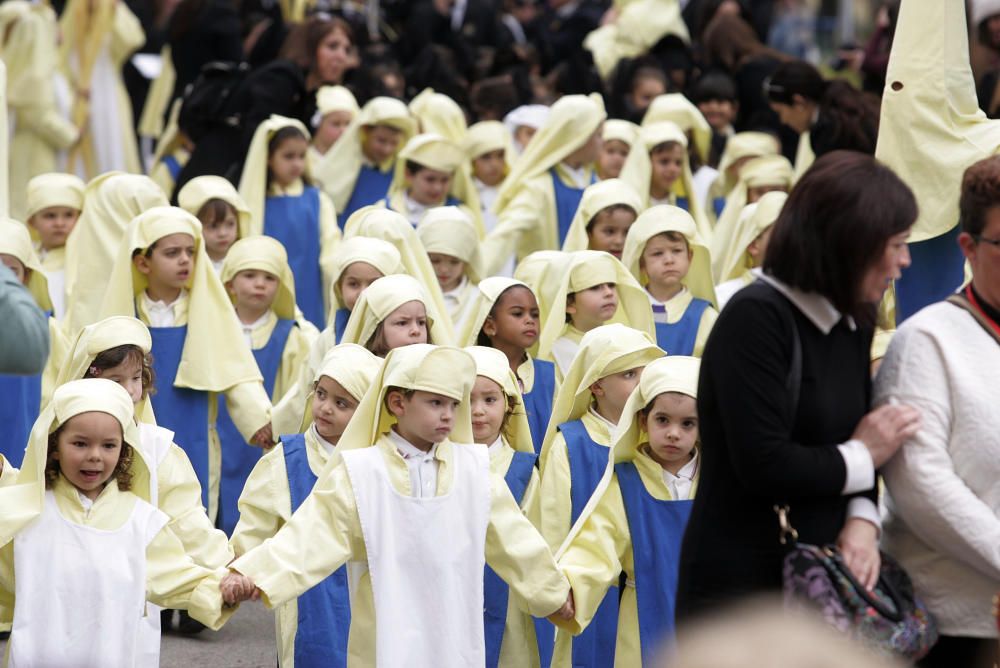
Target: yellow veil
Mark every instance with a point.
(486, 297)
(54, 189)
(15, 240)
(380, 254)
(597, 197)
(676, 108)
(264, 254)
(492, 364)
(199, 190)
(449, 230)
(253, 180)
(741, 145)
(350, 365)
(733, 259)
(640, 24)
(541, 271)
(486, 136)
(383, 297)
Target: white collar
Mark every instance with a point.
(611, 425)
(457, 290)
(256, 324)
(407, 450)
(656, 302)
(814, 306)
(160, 305)
(217, 266)
(495, 447)
(577, 174)
(686, 472)
(413, 207)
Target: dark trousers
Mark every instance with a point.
(958, 651)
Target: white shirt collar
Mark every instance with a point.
(495, 447)
(814, 306)
(577, 174)
(407, 449)
(611, 425)
(217, 266)
(457, 291)
(161, 314)
(414, 209)
(686, 472)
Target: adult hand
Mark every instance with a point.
(886, 428)
(858, 543)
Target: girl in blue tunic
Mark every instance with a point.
(499, 422)
(635, 520)
(312, 630)
(260, 283)
(286, 205)
(665, 253)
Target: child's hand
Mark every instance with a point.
(568, 609)
(264, 438)
(237, 588)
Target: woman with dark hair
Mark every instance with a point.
(835, 114)
(317, 52)
(785, 391)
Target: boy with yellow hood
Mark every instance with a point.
(452, 244)
(413, 498)
(741, 256)
(635, 520)
(425, 175)
(740, 148)
(542, 192)
(488, 147)
(312, 629)
(575, 455)
(163, 277)
(53, 207)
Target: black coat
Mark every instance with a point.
(755, 454)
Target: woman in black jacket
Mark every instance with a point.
(839, 241)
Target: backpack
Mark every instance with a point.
(207, 103)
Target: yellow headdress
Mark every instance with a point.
(383, 297)
(118, 330)
(742, 145)
(449, 230)
(541, 271)
(209, 361)
(349, 364)
(604, 351)
(253, 180)
(586, 269)
(429, 150)
(486, 297)
(596, 198)
(423, 367)
(380, 254)
(640, 25)
(733, 259)
(638, 169)
(15, 240)
(337, 171)
(616, 129)
(335, 98)
(492, 364)
(391, 226)
(768, 170)
(486, 136)
(199, 190)
(666, 218)
(23, 501)
(439, 114)
(570, 123)
(264, 254)
(110, 202)
(675, 107)
(54, 189)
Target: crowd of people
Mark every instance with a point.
(481, 333)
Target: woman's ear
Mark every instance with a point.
(798, 100)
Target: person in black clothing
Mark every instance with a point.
(199, 32)
(838, 242)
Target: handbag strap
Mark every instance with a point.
(967, 300)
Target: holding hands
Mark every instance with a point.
(237, 588)
(567, 611)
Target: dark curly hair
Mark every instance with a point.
(122, 473)
(112, 357)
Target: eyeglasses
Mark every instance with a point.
(992, 242)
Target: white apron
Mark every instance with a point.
(426, 559)
(80, 592)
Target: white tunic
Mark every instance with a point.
(426, 557)
(80, 591)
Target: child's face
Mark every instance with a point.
(424, 418)
(757, 248)
(20, 271)
(523, 134)
(719, 113)
(755, 193)
(128, 374)
(515, 319)
(666, 262)
(672, 427)
(448, 269)
(381, 143)
(406, 325)
(488, 408)
(219, 235)
(489, 167)
(609, 231)
(355, 279)
(429, 186)
(54, 224)
(331, 127)
(171, 262)
(253, 289)
(288, 161)
(89, 446)
(589, 152)
(332, 408)
(667, 165)
(645, 91)
(594, 306)
(613, 156)
(611, 392)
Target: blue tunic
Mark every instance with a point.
(20, 403)
(173, 166)
(294, 221)
(937, 269)
(538, 402)
(239, 458)
(495, 590)
(719, 204)
(679, 338)
(324, 610)
(595, 647)
(371, 186)
(182, 410)
(682, 203)
(567, 202)
(657, 530)
(340, 319)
